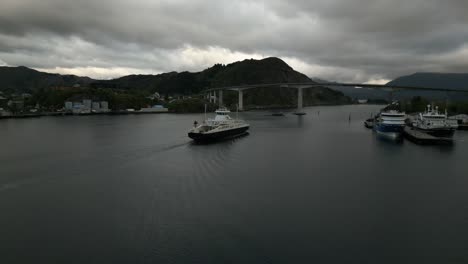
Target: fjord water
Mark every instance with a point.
(311, 189)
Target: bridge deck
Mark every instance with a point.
(313, 84)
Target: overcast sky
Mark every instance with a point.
(342, 40)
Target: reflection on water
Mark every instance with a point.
(300, 121)
(315, 188)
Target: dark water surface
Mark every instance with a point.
(316, 189)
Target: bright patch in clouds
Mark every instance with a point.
(96, 72)
(378, 81)
(187, 58)
(191, 57)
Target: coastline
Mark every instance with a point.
(59, 114)
(125, 112)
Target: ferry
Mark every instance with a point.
(221, 127)
(435, 123)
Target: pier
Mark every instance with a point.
(422, 138)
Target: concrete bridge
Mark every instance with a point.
(211, 93)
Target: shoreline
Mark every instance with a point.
(58, 114)
(124, 112)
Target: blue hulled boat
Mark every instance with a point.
(390, 122)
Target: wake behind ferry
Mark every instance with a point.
(221, 127)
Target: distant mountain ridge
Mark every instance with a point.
(268, 70)
(23, 79)
(456, 81)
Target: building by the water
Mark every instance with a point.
(86, 106)
(154, 109)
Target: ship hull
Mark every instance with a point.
(389, 131)
(215, 136)
(438, 132)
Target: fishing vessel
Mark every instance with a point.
(435, 123)
(221, 127)
(390, 122)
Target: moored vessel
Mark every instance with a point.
(390, 122)
(435, 123)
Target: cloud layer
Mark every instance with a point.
(344, 40)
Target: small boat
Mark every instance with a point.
(390, 122)
(369, 123)
(299, 113)
(277, 114)
(435, 123)
(221, 127)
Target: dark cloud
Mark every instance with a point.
(349, 40)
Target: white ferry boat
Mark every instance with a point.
(222, 126)
(390, 123)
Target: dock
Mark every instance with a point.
(422, 138)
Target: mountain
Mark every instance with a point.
(23, 79)
(318, 80)
(456, 81)
(268, 70)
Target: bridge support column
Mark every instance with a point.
(213, 97)
(220, 98)
(241, 100)
(299, 102)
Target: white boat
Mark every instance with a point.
(222, 126)
(390, 123)
(435, 123)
